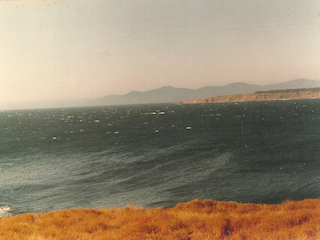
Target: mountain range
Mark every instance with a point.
(170, 94)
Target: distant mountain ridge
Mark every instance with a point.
(170, 94)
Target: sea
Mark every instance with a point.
(157, 155)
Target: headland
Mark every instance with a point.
(288, 94)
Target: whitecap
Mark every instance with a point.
(5, 211)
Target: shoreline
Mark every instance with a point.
(272, 95)
(197, 219)
(243, 101)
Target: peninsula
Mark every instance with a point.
(287, 94)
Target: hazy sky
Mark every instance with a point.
(91, 48)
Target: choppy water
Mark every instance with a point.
(158, 155)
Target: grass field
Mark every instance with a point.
(197, 219)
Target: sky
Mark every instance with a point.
(65, 50)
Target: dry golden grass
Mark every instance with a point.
(197, 219)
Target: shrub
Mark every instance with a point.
(197, 219)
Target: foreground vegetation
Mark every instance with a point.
(194, 220)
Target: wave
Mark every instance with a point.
(5, 211)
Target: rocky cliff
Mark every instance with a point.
(287, 94)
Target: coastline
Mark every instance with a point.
(197, 219)
(195, 101)
(290, 94)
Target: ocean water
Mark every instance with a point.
(158, 155)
